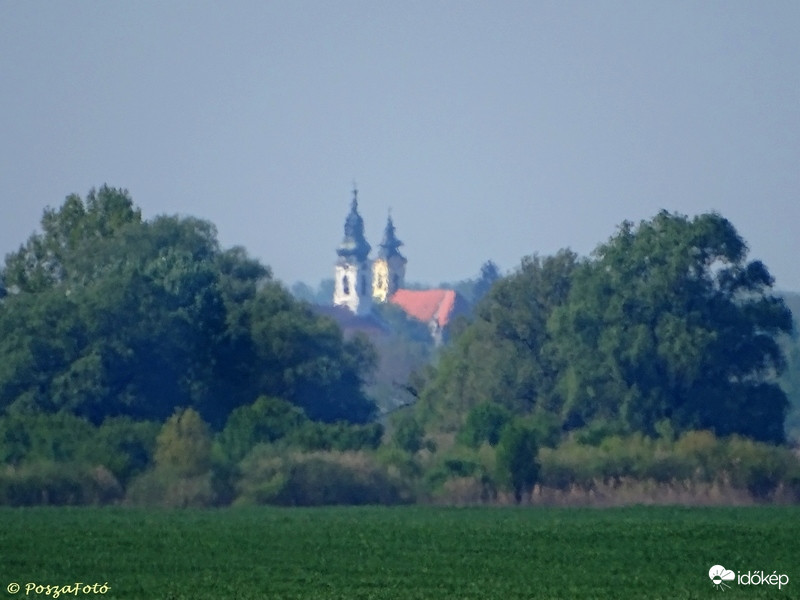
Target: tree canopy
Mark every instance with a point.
(670, 321)
(667, 322)
(141, 362)
(504, 356)
(108, 315)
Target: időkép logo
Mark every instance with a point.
(720, 576)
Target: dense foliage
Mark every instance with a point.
(790, 380)
(671, 322)
(109, 315)
(140, 363)
(504, 355)
(667, 324)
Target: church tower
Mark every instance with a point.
(389, 269)
(353, 281)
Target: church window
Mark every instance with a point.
(346, 285)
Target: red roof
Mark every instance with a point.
(429, 305)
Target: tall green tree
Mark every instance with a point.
(790, 380)
(125, 323)
(517, 464)
(109, 315)
(670, 321)
(489, 274)
(58, 253)
(503, 356)
(295, 354)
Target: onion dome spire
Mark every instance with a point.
(390, 245)
(354, 245)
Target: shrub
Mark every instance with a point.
(758, 467)
(466, 491)
(120, 444)
(165, 489)
(125, 446)
(484, 423)
(317, 478)
(702, 452)
(341, 436)
(700, 457)
(408, 434)
(182, 474)
(183, 446)
(51, 483)
(265, 421)
(517, 464)
(455, 463)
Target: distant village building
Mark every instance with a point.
(435, 308)
(358, 282)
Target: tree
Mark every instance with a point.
(126, 325)
(305, 359)
(183, 446)
(670, 321)
(322, 294)
(408, 434)
(56, 254)
(181, 475)
(303, 291)
(490, 273)
(485, 423)
(790, 380)
(473, 289)
(504, 355)
(108, 315)
(518, 467)
(265, 421)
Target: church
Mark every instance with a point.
(360, 282)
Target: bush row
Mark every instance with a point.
(290, 461)
(697, 456)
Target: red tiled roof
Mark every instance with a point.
(428, 305)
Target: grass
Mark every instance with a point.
(400, 553)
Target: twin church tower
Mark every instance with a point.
(359, 281)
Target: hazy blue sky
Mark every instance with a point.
(492, 129)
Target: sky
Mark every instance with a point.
(491, 129)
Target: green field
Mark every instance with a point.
(404, 552)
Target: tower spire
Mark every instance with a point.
(389, 244)
(389, 269)
(354, 245)
(352, 274)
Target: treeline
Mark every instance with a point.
(667, 321)
(110, 325)
(140, 363)
(64, 459)
(667, 333)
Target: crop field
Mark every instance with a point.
(398, 553)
